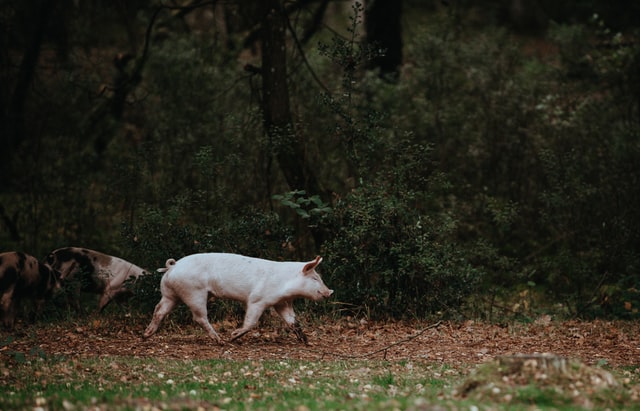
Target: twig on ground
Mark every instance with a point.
(383, 349)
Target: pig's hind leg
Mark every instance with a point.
(163, 308)
(285, 310)
(198, 305)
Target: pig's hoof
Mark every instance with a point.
(237, 334)
(301, 336)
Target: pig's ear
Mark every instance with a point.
(312, 265)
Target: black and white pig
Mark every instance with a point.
(94, 271)
(258, 283)
(23, 276)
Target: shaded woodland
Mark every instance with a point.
(446, 157)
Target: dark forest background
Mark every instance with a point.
(462, 158)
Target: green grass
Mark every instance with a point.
(129, 383)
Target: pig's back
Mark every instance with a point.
(222, 274)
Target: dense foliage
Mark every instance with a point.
(495, 162)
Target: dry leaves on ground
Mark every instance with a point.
(616, 343)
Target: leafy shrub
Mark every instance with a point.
(388, 259)
(587, 159)
(390, 250)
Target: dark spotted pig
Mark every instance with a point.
(23, 276)
(95, 272)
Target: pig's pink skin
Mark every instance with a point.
(258, 283)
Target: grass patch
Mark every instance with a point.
(135, 383)
(126, 383)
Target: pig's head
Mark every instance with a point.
(69, 261)
(51, 277)
(314, 287)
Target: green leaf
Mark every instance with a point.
(302, 213)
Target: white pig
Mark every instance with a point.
(258, 283)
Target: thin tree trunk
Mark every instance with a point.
(384, 32)
(14, 121)
(276, 110)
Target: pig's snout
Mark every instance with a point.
(325, 293)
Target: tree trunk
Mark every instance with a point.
(14, 120)
(277, 118)
(384, 31)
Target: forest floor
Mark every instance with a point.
(612, 343)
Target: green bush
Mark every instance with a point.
(587, 159)
(389, 259)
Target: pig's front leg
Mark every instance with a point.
(285, 310)
(8, 310)
(105, 299)
(251, 317)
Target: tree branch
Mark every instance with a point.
(383, 349)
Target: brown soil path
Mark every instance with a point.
(616, 343)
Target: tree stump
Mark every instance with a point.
(549, 364)
(502, 377)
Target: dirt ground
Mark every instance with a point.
(614, 343)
